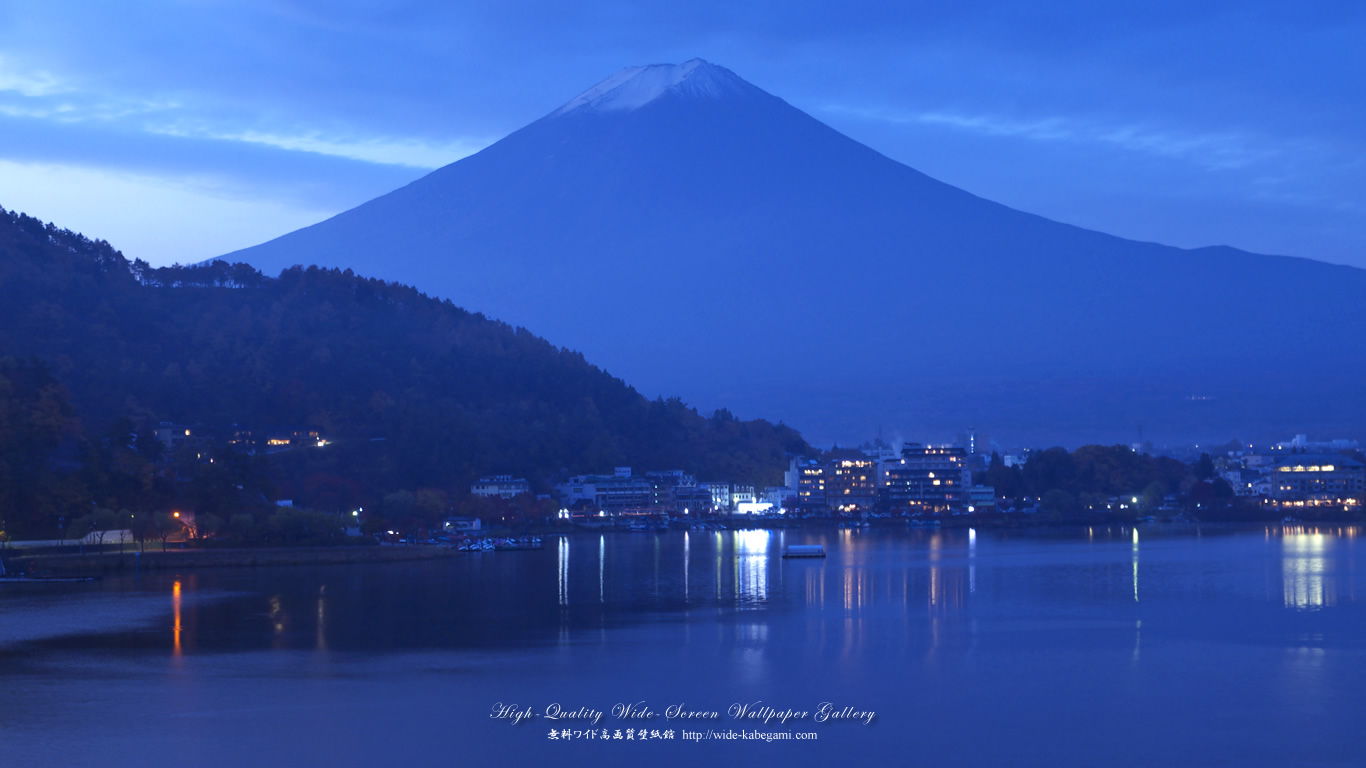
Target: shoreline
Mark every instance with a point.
(107, 564)
(96, 564)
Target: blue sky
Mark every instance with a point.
(180, 130)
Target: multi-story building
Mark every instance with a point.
(851, 485)
(1318, 479)
(811, 496)
(691, 499)
(608, 493)
(741, 494)
(500, 486)
(720, 496)
(665, 482)
(926, 479)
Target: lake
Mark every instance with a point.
(1116, 646)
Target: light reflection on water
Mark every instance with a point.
(1135, 565)
(176, 629)
(321, 629)
(751, 567)
(914, 623)
(909, 577)
(1308, 582)
(563, 548)
(972, 560)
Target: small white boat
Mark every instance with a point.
(804, 550)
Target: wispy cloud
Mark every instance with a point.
(1224, 150)
(33, 84)
(408, 152)
(41, 96)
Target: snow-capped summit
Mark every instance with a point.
(697, 236)
(634, 87)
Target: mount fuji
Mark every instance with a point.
(699, 237)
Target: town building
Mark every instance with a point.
(1302, 444)
(781, 497)
(609, 493)
(665, 482)
(720, 496)
(926, 479)
(461, 524)
(1244, 481)
(500, 486)
(1318, 479)
(691, 499)
(811, 496)
(851, 485)
(177, 436)
(741, 494)
(980, 498)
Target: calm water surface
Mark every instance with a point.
(1062, 648)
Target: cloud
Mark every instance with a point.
(38, 95)
(1225, 150)
(402, 151)
(33, 84)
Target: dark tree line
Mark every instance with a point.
(413, 391)
(1069, 484)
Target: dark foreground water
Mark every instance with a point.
(1169, 647)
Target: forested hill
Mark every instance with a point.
(414, 392)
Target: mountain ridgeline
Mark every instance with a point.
(413, 392)
(697, 235)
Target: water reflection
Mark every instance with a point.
(922, 586)
(751, 566)
(852, 590)
(687, 555)
(1305, 572)
(564, 570)
(892, 603)
(935, 588)
(1041, 620)
(277, 618)
(1135, 566)
(972, 560)
(175, 605)
(321, 643)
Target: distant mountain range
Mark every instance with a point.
(696, 235)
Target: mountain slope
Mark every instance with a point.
(413, 391)
(699, 235)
